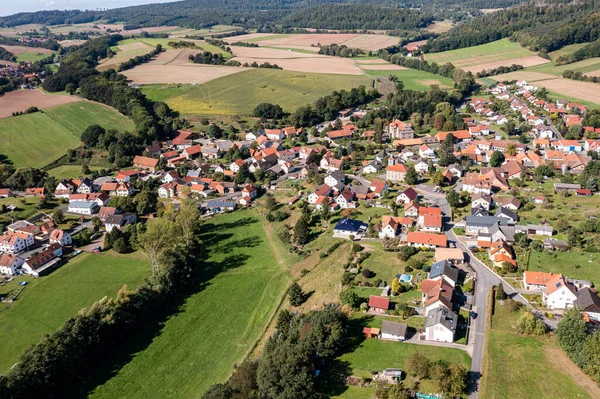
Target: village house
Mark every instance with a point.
(192, 152)
(119, 221)
(426, 152)
(436, 293)
(481, 200)
(426, 240)
(83, 207)
(587, 300)
(331, 164)
(348, 227)
(335, 178)
(43, 262)
(391, 226)
(14, 242)
(407, 196)
(536, 280)
(430, 220)
(323, 190)
(10, 263)
(411, 209)
(440, 325)
(378, 304)
(454, 255)
(60, 237)
(393, 331)
(400, 130)
(378, 188)
(372, 167)
(128, 175)
(145, 163)
(443, 269)
(5, 192)
(559, 293)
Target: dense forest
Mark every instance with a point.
(373, 14)
(6, 55)
(590, 50)
(340, 51)
(543, 27)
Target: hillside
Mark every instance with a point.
(266, 13)
(542, 27)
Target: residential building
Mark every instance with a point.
(83, 207)
(378, 304)
(443, 269)
(145, 162)
(60, 237)
(43, 262)
(426, 240)
(440, 325)
(348, 227)
(559, 294)
(454, 255)
(393, 331)
(10, 263)
(395, 173)
(391, 226)
(587, 300)
(407, 196)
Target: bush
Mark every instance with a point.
(406, 252)
(407, 269)
(415, 264)
(356, 248)
(512, 305)
(378, 283)
(367, 273)
(427, 269)
(349, 297)
(500, 294)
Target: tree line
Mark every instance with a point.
(140, 59)
(245, 44)
(59, 365)
(499, 70)
(208, 58)
(327, 108)
(7, 55)
(569, 74)
(182, 44)
(340, 51)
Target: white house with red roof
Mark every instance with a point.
(9, 263)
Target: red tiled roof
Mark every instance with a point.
(379, 302)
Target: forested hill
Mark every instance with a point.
(358, 14)
(543, 26)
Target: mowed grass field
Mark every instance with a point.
(414, 79)
(49, 301)
(35, 140)
(499, 50)
(31, 57)
(579, 265)
(69, 171)
(239, 93)
(216, 326)
(517, 366)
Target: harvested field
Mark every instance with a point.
(375, 61)
(165, 57)
(593, 73)
(262, 53)
(523, 75)
(245, 38)
(307, 39)
(324, 64)
(371, 42)
(16, 50)
(440, 26)
(190, 73)
(585, 67)
(524, 61)
(413, 45)
(69, 43)
(127, 51)
(384, 67)
(572, 88)
(20, 100)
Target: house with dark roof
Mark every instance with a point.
(393, 331)
(444, 270)
(509, 216)
(347, 227)
(440, 325)
(407, 195)
(589, 302)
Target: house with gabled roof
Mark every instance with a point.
(378, 304)
(589, 302)
(559, 294)
(436, 293)
(10, 263)
(60, 237)
(444, 269)
(440, 325)
(349, 227)
(145, 162)
(426, 240)
(391, 226)
(396, 173)
(407, 196)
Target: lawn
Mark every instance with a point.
(216, 326)
(414, 79)
(239, 93)
(572, 264)
(570, 49)
(47, 302)
(161, 92)
(517, 366)
(499, 50)
(377, 355)
(48, 134)
(69, 171)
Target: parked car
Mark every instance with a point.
(97, 249)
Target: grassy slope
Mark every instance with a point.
(571, 264)
(585, 66)
(76, 117)
(31, 57)
(216, 326)
(570, 49)
(161, 92)
(34, 140)
(519, 367)
(69, 171)
(51, 132)
(499, 50)
(49, 301)
(414, 79)
(239, 93)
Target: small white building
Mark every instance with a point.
(559, 294)
(10, 263)
(83, 207)
(393, 331)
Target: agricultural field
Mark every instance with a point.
(486, 56)
(51, 132)
(516, 366)
(566, 50)
(20, 100)
(47, 302)
(413, 79)
(244, 284)
(238, 94)
(124, 53)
